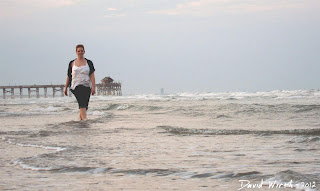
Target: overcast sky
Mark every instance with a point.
(178, 45)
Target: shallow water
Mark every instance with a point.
(188, 141)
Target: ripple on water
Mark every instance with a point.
(190, 131)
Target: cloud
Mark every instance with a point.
(112, 9)
(115, 15)
(205, 8)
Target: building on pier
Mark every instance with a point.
(109, 87)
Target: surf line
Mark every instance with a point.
(11, 141)
(20, 160)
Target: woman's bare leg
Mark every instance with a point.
(83, 113)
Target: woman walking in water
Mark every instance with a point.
(81, 80)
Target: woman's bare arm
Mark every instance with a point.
(93, 81)
(67, 82)
(66, 86)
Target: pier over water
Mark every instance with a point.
(109, 88)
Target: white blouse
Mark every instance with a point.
(80, 76)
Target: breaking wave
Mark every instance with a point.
(186, 131)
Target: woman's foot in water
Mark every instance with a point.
(83, 113)
(81, 118)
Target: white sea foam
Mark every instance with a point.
(29, 167)
(277, 94)
(73, 169)
(46, 109)
(97, 113)
(11, 141)
(42, 146)
(123, 107)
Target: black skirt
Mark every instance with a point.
(82, 94)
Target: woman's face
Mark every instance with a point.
(80, 52)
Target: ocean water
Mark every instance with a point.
(187, 141)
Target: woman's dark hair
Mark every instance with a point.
(79, 46)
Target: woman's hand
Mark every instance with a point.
(93, 81)
(66, 87)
